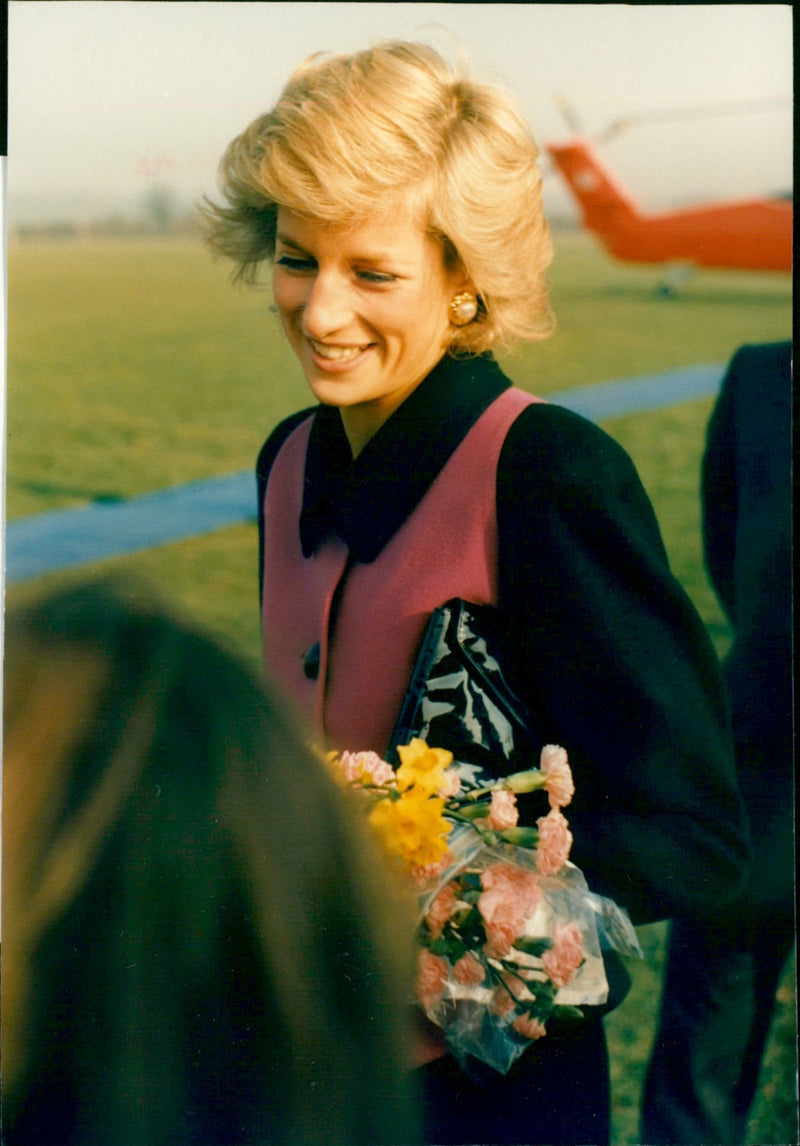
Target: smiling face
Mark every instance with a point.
(365, 310)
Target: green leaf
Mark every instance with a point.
(472, 929)
(521, 837)
(533, 946)
(472, 880)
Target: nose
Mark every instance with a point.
(328, 307)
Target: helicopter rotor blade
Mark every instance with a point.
(668, 115)
(686, 114)
(571, 118)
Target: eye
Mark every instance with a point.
(378, 277)
(295, 263)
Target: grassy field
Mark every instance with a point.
(133, 366)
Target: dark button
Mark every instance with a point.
(311, 662)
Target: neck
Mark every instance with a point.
(363, 420)
(358, 431)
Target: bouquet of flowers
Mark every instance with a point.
(509, 934)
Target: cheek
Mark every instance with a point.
(287, 293)
(432, 322)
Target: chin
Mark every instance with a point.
(330, 393)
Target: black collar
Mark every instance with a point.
(366, 501)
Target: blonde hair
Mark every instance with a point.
(397, 123)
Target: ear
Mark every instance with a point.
(465, 283)
(460, 280)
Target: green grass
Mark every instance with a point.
(133, 366)
(136, 365)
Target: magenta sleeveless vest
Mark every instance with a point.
(369, 618)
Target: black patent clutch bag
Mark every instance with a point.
(458, 698)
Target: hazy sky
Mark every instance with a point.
(110, 99)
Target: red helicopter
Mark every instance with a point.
(743, 234)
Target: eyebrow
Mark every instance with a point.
(374, 259)
(288, 241)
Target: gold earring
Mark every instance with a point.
(463, 308)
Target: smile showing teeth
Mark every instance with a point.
(336, 353)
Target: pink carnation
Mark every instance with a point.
(529, 1027)
(555, 841)
(559, 783)
(468, 971)
(431, 977)
(348, 762)
(502, 1002)
(510, 896)
(440, 910)
(366, 767)
(520, 883)
(505, 995)
(502, 931)
(566, 955)
(451, 785)
(423, 873)
(503, 813)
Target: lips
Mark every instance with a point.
(335, 353)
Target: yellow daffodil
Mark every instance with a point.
(422, 767)
(412, 827)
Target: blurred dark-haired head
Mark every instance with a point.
(196, 946)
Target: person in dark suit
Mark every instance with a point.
(723, 967)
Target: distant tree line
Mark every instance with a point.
(158, 212)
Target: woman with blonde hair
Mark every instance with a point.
(197, 949)
(398, 201)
